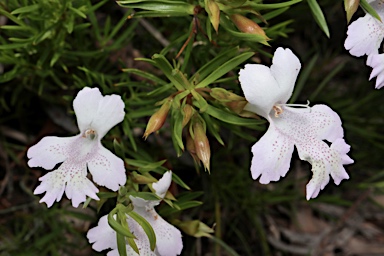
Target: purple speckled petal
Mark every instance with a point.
(271, 156)
(307, 128)
(107, 169)
(364, 36)
(49, 151)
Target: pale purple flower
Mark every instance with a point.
(267, 90)
(168, 238)
(96, 115)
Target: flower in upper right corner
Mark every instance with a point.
(364, 37)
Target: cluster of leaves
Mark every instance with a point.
(50, 49)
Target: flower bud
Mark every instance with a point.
(157, 120)
(202, 148)
(213, 11)
(191, 148)
(187, 112)
(350, 7)
(223, 95)
(194, 228)
(248, 26)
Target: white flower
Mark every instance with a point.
(376, 61)
(168, 238)
(96, 115)
(366, 33)
(267, 90)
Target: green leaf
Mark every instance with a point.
(146, 226)
(369, 9)
(319, 16)
(121, 245)
(273, 6)
(144, 195)
(210, 66)
(145, 75)
(228, 117)
(173, 8)
(225, 68)
(163, 64)
(117, 226)
(25, 9)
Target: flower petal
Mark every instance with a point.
(49, 151)
(107, 169)
(271, 156)
(141, 240)
(306, 128)
(364, 36)
(168, 238)
(78, 185)
(264, 87)
(94, 111)
(102, 236)
(53, 183)
(376, 61)
(331, 162)
(85, 105)
(161, 187)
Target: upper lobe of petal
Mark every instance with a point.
(264, 87)
(94, 111)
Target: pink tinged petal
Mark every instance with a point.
(53, 184)
(264, 87)
(86, 104)
(161, 187)
(271, 156)
(364, 36)
(49, 151)
(107, 169)
(79, 186)
(307, 128)
(102, 236)
(168, 238)
(141, 240)
(325, 123)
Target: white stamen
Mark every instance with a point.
(279, 110)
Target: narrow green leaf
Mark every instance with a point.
(163, 64)
(78, 12)
(369, 9)
(144, 195)
(319, 16)
(25, 9)
(273, 6)
(228, 117)
(121, 245)
(117, 226)
(224, 68)
(146, 226)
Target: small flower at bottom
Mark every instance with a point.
(267, 91)
(96, 115)
(168, 238)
